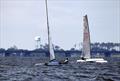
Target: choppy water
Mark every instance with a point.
(24, 70)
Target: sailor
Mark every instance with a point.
(64, 61)
(83, 58)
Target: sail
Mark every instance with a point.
(50, 46)
(51, 50)
(86, 38)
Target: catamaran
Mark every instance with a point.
(86, 56)
(52, 61)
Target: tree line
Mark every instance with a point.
(97, 46)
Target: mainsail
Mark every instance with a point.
(50, 46)
(86, 38)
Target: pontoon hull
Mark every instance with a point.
(97, 60)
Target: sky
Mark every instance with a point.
(22, 20)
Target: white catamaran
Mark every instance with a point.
(53, 61)
(86, 56)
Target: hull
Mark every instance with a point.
(39, 64)
(48, 64)
(94, 60)
(52, 63)
(64, 62)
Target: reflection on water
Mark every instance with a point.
(20, 70)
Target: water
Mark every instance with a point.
(24, 69)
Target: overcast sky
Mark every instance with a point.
(22, 20)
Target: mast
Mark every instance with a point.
(47, 21)
(86, 38)
(50, 46)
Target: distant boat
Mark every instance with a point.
(86, 56)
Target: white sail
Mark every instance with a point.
(51, 50)
(50, 46)
(86, 38)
